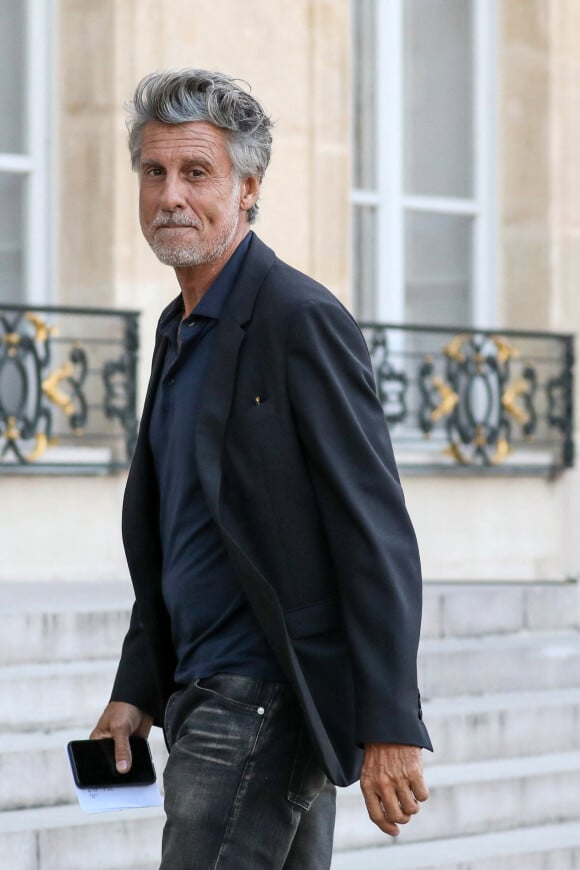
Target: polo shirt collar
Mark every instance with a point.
(211, 305)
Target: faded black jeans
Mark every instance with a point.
(243, 788)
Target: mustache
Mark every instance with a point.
(173, 219)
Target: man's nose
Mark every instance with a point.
(172, 194)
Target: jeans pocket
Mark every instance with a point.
(307, 778)
(169, 717)
(231, 692)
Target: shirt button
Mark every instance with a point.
(171, 380)
(261, 711)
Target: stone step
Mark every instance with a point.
(35, 772)
(499, 663)
(463, 729)
(468, 728)
(502, 725)
(474, 798)
(41, 622)
(545, 847)
(524, 799)
(519, 643)
(67, 694)
(46, 622)
(49, 696)
(66, 838)
(476, 609)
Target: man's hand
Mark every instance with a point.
(120, 721)
(392, 784)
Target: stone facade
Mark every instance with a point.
(539, 231)
(295, 54)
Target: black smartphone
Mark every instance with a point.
(93, 763)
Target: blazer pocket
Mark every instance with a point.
(314, 618)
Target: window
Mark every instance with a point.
(423, 167)
(25, 66)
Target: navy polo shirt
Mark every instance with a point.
(213, 627)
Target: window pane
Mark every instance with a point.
(364, 277)
(12, 75)
(12, 188)
(438, 88)
(364, 82)
(438, 267)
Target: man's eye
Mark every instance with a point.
(196, 173)
(154, 172)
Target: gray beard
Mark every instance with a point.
(182, 256)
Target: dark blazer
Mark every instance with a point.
(297, 468)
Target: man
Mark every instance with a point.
(276, 573)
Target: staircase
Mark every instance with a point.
(500, 675)
(58, 646)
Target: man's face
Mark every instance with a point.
(191, 205)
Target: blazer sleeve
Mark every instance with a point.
(373, 547)
(134, 682)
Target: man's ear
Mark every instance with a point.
(249, 192)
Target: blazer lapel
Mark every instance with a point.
(218, 385)
(140, 503)
(156, 369)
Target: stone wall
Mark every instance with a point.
(294, 53)
(539, 179)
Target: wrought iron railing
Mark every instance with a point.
(455, 399)
(67, 389)
(466, 399)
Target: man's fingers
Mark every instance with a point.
(100, 731)
(386, 810)
(408, 801)
(118, 721)
(392, 784)
(122, 747)
(411, 795)
(122, 753)
(419, 788)
(123, 757)
(98, 734)
(377, 815)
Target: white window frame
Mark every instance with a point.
(389, 199)
(35, 163)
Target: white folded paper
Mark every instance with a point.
(122, 797)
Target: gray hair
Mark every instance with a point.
(177, 97)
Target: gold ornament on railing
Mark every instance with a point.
(505, 351)
(449, 399)
(42, 329)
(453, 349)
(51, 384)
(509, 398)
